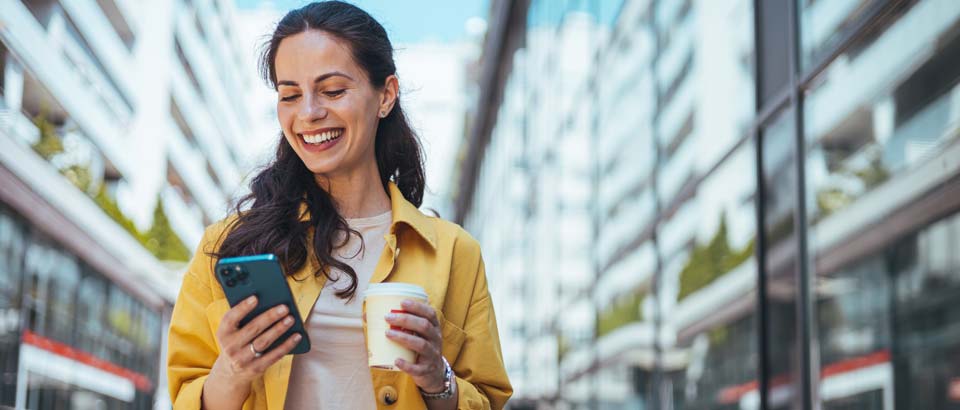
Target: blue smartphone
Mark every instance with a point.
(261, 275)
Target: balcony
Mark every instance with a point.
(47, 58)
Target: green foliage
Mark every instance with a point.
(718, 335)
(832, 199)
(563, 346)
(79, 176)
(709, 262)
(109, 206)
(49, 144)
(626, 309)
(162, 241)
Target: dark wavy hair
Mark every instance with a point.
(272, 223)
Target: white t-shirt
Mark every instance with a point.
(334, 374)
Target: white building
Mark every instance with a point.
(148, 99)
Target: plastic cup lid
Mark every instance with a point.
(395, 289)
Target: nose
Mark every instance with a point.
(311, 110)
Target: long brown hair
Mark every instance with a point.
(272, 223)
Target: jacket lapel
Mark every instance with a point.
(306, 288)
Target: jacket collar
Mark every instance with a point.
(406, 213)
(403, 212)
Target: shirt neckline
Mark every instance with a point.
(375, 220)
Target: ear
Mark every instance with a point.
(388, 96)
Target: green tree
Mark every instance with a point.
(707, 263)
(626, 309)
(110, 207)
(162, 241)
(49, 144)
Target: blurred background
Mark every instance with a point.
(682, 204)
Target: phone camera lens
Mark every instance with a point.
(242, 275)
(225, 272)
(231, 282)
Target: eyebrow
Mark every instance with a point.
(316, 80)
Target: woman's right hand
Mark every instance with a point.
(238, 364)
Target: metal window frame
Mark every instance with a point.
(791, 97)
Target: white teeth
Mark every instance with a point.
(321, 137)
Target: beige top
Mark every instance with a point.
(334, 374)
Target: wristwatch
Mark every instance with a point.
(449, 384)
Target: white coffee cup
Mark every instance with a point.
(379, 300)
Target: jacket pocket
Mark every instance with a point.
(453, 338)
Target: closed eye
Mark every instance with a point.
(290, 98)
(334, 93)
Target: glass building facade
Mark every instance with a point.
(69, 336)
(745, 204)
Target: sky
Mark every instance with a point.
(406, 21)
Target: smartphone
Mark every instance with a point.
(261, 275)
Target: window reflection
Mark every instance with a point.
(824, 23)
(881, 123)
(67, 304)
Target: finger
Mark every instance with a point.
(413, 342)
(272, 356)
(261, 323)
(410, 322)
(262, 342)
(412, 369)
(232, 318)
(421, 309)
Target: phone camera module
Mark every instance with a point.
(225, 272)
(231, 282)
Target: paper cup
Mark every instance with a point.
(378, 300)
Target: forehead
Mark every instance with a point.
(305, 55)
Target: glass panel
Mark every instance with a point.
(823, 23)
(780, 200)
(11, 270)
(882, 180)
(91, 314)
(713, 275)
(62, 303)
(11, 260)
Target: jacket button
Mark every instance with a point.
(387, 395)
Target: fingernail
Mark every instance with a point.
(399, 362)
(251, 300)
(391, 332)
(297, 337)
(282, 309)
(407, 303)
(288, 320)
(391, 316)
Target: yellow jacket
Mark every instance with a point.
(438, 255)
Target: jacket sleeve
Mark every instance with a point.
(481, 376)
(191, 346)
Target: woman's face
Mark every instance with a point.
(327, 108)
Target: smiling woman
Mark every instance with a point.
(335, 206)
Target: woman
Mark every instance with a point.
(336, 206)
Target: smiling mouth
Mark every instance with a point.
(322, 137)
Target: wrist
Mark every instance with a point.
(224, 378)
(445, 389)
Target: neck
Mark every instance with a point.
(357, 194)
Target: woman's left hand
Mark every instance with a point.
(426, 341)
